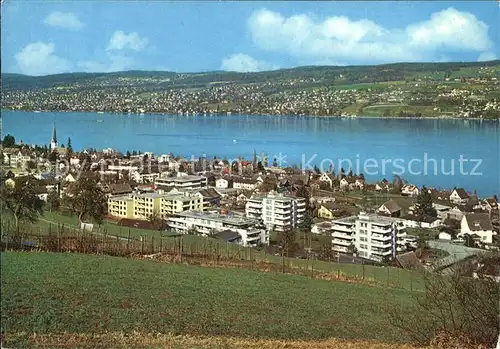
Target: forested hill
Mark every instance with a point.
(321, 74)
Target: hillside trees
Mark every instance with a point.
(22, 201)
(85, 199)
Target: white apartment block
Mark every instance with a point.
(185, 182)
(374, 237)
(210, 223)
(276, 211)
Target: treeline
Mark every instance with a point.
(350, 74)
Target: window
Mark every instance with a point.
(363, 239)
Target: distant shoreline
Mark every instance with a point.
(444, 117)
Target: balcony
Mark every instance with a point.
(381, 229)
(341, 249)
(382, 252)
(282, 218)
(380, 237)
(341, 235)
(342, 228)
(301, 209)
(381, 244)
(341, 242)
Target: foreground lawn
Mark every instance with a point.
(48, 293)
(392, 277)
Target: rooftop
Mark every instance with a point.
(229, 218)
(182, 179)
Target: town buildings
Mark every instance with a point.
(251, 231)
(277, 211)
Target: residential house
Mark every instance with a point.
(442, 211)
(251, 231)
(359, 183)
(328, 178)
(459, 196)
(429, 222)
(456, 213)
(384, 185)
(478, 224)
(329, 210)
(347, 183)
(490, 204)
(321, 228)
(409, 190)
(391, 208)
(245, 183)
(224, 183)
(120, 189)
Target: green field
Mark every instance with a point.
(384, 276)
(54, 293)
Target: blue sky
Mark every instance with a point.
(40, 38)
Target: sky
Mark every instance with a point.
(51, 37)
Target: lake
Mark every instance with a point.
(432, 152)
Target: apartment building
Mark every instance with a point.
(374, 237)
(142, 206)
(251, 231)
(121, 206)
(276, 211)
(184, 182)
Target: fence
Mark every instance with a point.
(197, 250)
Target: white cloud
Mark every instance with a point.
(133, 41)
(450, 28)
(38, 58)
(240, 62)
(66, 20)
(114, 63)
(487, 56)
(344, 40)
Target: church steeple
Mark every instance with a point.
(53, 142)
(54, 137)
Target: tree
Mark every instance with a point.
(350, 174)
(302, 192)
(53, 200)
(423, 207)
(134, 153)
(267, 185)
(52, 157)
(86, 200)
(316, 169)
(157, 221)
(8, 141)
(70, 147)
(456, 310)
(306, 223)
(128, 155)
(22, 201)
(30, 166)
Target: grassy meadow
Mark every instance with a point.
(55, 293)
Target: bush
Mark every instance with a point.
(461, 308)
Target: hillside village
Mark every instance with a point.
(384, 91)
(253, 203)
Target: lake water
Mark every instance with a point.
(433, 152)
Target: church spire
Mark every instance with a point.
(54, 137)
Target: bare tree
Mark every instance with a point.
(456, 311)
